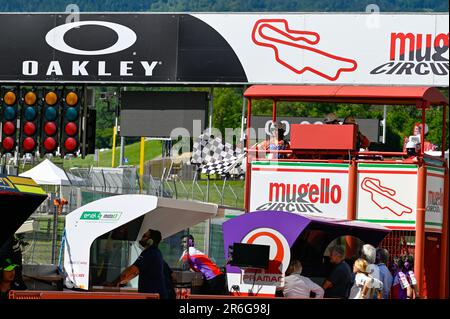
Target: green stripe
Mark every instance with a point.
(300, 164)
(389, 221)
(387, 165)
(436, 169)
(432, 223)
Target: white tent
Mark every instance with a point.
(47, 173)
(91, 221)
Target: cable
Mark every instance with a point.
(253, 285)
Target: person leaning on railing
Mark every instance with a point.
(276, 141)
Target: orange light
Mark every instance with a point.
(71, 98)
(30, 98)
(10, 98)
(51, 98)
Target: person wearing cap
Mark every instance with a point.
(276, 141)
(12, 249)
(331, 118)
(8, 273)
(361, 140)
(417, 131)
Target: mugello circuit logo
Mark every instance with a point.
(279, 257)
(289, 45)
(384, 197)
(416, 54)
(301, 198)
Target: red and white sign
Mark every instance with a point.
(434, 199)
(279, 257)
(300, 188)
(387, 195)
(355, 49)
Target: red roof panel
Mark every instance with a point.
(349, 94)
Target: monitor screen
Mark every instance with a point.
(250, 256)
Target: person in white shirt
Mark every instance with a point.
(365, 285)
(296, 285)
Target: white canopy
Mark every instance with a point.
(97, 218)
(47, 173)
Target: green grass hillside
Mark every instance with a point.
(132, 152)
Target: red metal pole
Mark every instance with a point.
(444, 129)
(422, 132)
(274, 111)
(350, 243)
(443, 278)
(248, 166)
(419, 251)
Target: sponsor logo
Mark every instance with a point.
(384, 197)
(290, 44)
(56, 39)
(278, 259)
(126, 38)
(100, 216)
(416, 54)
(435, 201)
(302, 198)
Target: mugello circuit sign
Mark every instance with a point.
(300, 188)
(398, 49)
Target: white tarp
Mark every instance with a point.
(97, 218)
(47, 173)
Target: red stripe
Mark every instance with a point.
(435, 175)
(297, 170)
(246, 294)
(388, 172)
(400, 227)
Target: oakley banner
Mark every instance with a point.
(357, 49)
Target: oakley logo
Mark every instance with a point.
(125, 38)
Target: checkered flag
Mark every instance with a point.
(214, 157)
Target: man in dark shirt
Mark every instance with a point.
(149, 266)
(338, 284)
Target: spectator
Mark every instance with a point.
(276, 141)
(12, 249)
(404, 285)
(338, 284)
(149, 266)
(361, 140)
(296, 285)
(382, 256)
(8, 273)
(213, 278)
(364, 285)
(369, 253)
(417, 131)
(331, 118)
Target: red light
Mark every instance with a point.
(29, 128)
(8, 143)
(71, 129)
(9, 128)
(50, 128)
(70, 144)
(50, 144)
(29, 144)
